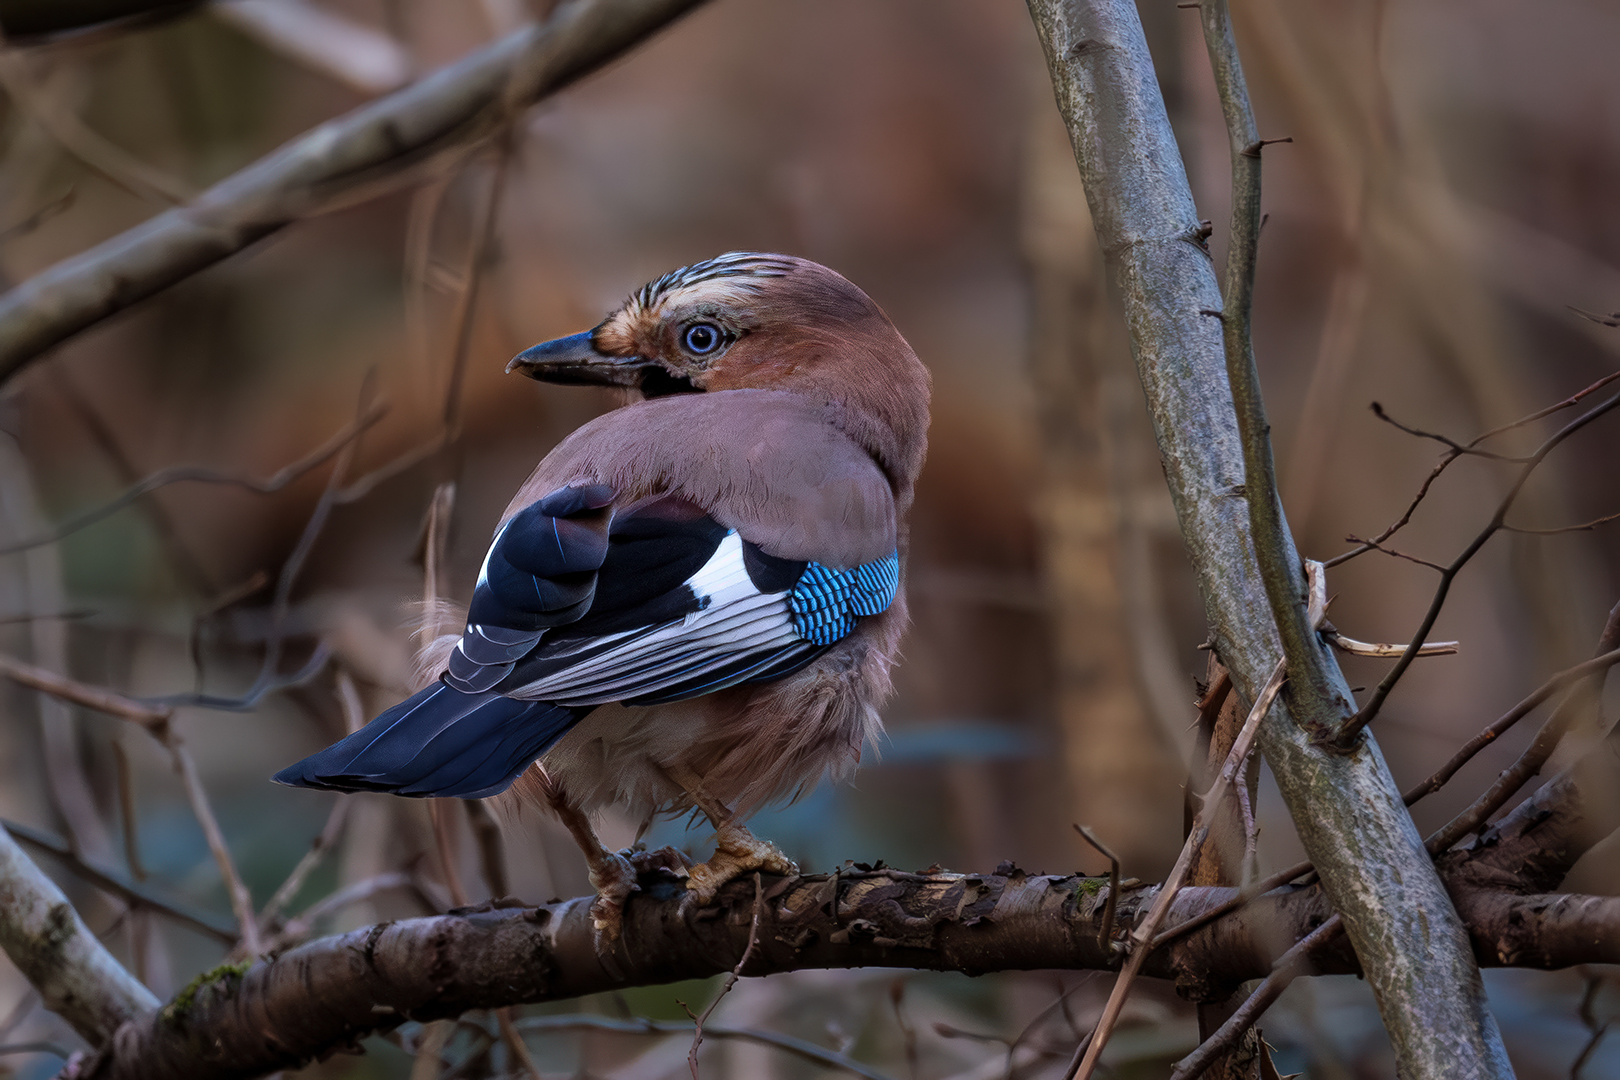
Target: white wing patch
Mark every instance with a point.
(736, 620)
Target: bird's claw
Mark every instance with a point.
(669, 859)
(736, 852)
(614, 879)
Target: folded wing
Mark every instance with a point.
(580, 603)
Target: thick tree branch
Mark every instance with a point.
(1346, 806)
(322, 996)
(76, 978)
(357, 155)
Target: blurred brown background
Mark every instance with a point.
(1449, 193)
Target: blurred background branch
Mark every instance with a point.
(374, 149)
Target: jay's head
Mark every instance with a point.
(751, 321)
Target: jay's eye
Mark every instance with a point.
(702, 338)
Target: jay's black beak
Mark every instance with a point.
(574, 359)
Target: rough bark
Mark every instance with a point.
(372, 149)
(1346, 807)
(324, 996)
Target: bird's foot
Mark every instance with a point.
(613, 876)
(665, 859)
(736, 852)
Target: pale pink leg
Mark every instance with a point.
(737, 851)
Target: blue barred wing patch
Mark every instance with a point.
(825, 602)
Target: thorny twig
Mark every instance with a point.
(1438, 779)
(1291, 964)
(731, 978)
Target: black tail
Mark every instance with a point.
(439, 742)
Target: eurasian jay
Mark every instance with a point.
(695, 599)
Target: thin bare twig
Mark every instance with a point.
(1445, 461)
(731, 978)
(1445, 440)
(1112, 904)
(1508, 719)
(1376, 648)
(126, 810)
(157, 720)
(1244, 896)
(329, 837)
(98, 153)
(364, 890)
(176, 474)
(806, 1051)
(91, 697)
(1527, 764)
(1142, 936)
(439, 811)
(1375, 545)
(1588, 1015)
(515, 1048)
(1585, 526)
(908, 1033)
(36, 218)
(267, 679)
(241, 899)
(134, 893)
(467, 301)
(491, 854)
(1370, 710)
(1289, 965)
